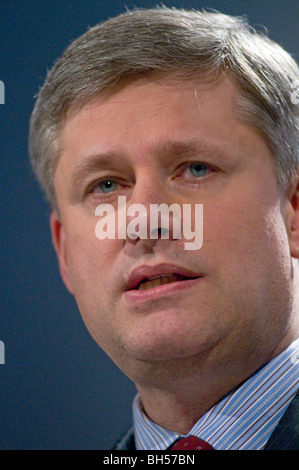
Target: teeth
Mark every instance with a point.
(160, 276)
(157, 281)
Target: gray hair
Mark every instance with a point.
(180, 43)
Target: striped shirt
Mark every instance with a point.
(244, 419)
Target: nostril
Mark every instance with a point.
(159, 232)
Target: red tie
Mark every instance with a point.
(191, 443)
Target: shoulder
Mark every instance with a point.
(126, 441)
(286, 434)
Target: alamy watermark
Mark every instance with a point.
(162, 220)
(2, 92)
(2, 353)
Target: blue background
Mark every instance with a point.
(58, 390)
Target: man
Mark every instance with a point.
(195, 109)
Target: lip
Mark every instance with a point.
(144, 272)
(135, 295)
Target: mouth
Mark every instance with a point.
(147, 282)
(156, 281)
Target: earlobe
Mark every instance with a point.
(294, 222)
(59, 242)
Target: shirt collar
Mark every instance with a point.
(244, 419)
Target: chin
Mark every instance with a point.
(167, 346)
(161, 364)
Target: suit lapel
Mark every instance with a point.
(126, 442)
(286, 434)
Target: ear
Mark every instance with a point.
(293, 223)
(59, 242)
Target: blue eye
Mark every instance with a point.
(107, 186)
(198, 169)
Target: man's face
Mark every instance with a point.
(136, 143)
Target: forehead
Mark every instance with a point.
(145, 110)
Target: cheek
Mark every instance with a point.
(251, 266)
(89, 260)
(247, 237)
(224, 228)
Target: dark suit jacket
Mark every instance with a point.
(284, 437)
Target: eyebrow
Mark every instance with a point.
(95, 162)
(190, 149)
(100, 161)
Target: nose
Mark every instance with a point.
(152, 213)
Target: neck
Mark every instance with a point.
(176, 411)
(177, 401)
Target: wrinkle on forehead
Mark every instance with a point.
(203, 79)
